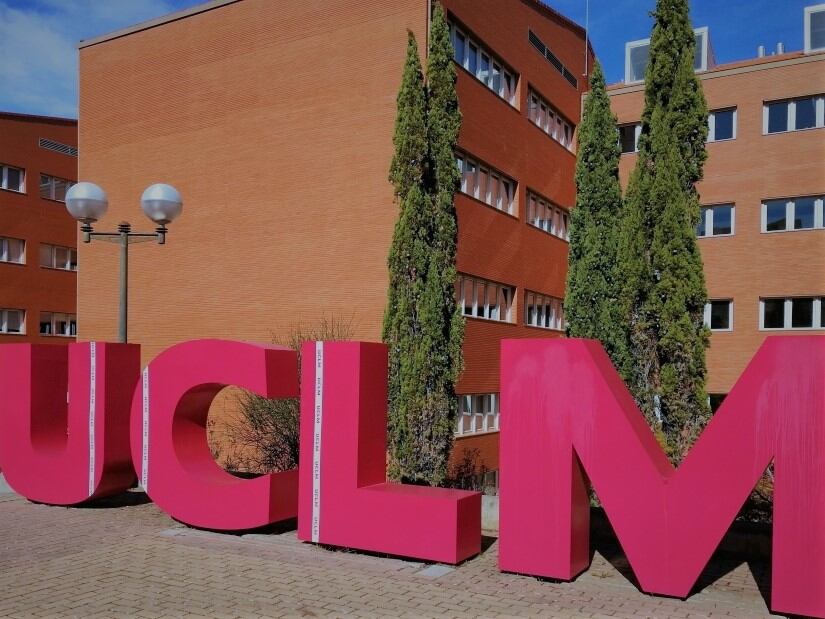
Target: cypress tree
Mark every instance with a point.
(664, 292)
(591, 300)
(423, 324)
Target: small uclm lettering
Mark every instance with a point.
(582, 425)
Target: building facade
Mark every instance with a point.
(38, 238)
(761, 232)
(275, 122)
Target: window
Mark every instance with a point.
(543, 311)
(478, 413)
(13, 179)
(12, 321)
(722, 125)
(546, 216)
(12, 250)
(814, 28)
(794, 114)
(484, 299)
(546, 118)
(637, 55)
(715, 220)
(792, 313)
(486, 184)
(803, 213)
(56, 324)
(719, 315)
(54, 188)
(629, 137)
(56, 257)
(483, 65)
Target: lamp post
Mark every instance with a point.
(87, 203)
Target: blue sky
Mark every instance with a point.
(38, 38)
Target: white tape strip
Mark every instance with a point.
(316, 441)
(144, 459)
(92, 413)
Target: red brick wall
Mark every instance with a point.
(29, 217)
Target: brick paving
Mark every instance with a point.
(125, 558)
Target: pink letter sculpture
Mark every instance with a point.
(169, 440)
(567, 412)
(64, 419)
(345, 498)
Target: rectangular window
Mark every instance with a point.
(57, 257)
(485, 184)
(794, 114)
(58, 324)
(544, 215)
(802, 213)
(478, 413)
(814, 28)
(483, 65)
(719, 315)
(549, 120)
(792, 313)
(716, 220)
(543, 311)
(54, 188)
(480, 298)
(12, 321)
(722, 125)
(12, 250)
(629, 137)
(12, 179)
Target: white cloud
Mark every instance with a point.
(38, 47)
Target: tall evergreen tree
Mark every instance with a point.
(664, 287)
(594, 283)
(423, 325)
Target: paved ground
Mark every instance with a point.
(127, 559)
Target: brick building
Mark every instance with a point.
(38, 248)
(275, 122)
(761, 234)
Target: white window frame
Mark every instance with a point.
(790, 214)
(4, 321)
(506, 75)
(556, 219)
(52, 183)
(53, 249)
(69, 319)
(712, 124)
(5, 253)
(637, 133)
(810, 10)
(470, 421)
(504, 295)
(819, 111)
(709, 211)
(539, 317)
(4, 178)
(703, 33)
(465, 160)
(547, 118)
(707, 315)
(816, 318)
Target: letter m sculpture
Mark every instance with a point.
(568, 419)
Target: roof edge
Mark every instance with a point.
(38, 118)
(158, 21)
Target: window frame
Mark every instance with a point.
(712, 124)
(558, 222)
(708, 209)
(809, 11)
(467, 421)
(708, 315)
(790, 214)
(53, 180)
(546, 117)
(53, 250)
(508, 78)
(787, 318)
(4, 178)
(69, 319)
(503, 306)
(547, 308)
(637, 133)
(819, 114)
(480, 170)
(4, 321)
(5, 251)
